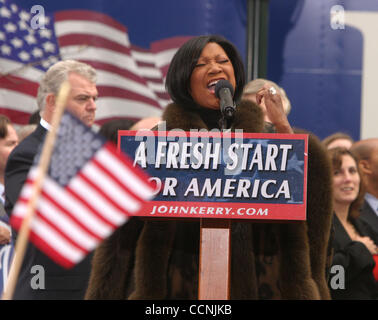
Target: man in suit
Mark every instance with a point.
(40, 277)
(367, 153)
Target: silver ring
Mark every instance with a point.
(272, 90)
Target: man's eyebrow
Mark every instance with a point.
(86, 95)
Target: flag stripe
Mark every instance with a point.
(116, 69)
(69, 27)
(116, 180)
(43, 245)
(94, 223)
(105, 91)
(94, 40)
(19, 84)
(124, 107)
(115, 193)
(22, 116)
(105, 77)
(159, 58)
(48, 218)
(79, 52)
(43, 230)
(51, 251)
(132, 180)
(88, 15)
(17, 101)
(9, 66)
(51, 214)
(168, 44)
(71, 215)
(81, 187)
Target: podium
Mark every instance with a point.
(215, 259)
(217, 177)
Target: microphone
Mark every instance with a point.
(224, 92)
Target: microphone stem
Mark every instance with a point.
(224, 123)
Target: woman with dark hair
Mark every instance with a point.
(353, 239)
(160, 259)
(188, 58)
(193, 73)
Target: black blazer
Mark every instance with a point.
(369, 216)
(357, 261)
(59, 282)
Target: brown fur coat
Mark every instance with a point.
(157, 259)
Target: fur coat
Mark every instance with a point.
(158, 259)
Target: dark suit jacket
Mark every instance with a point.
(369, 216)
(357, 261)
(3, 214)
(59, 283)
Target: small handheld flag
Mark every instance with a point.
(89, 190)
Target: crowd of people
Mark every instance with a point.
(148, 259)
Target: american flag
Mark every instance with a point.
(89, 191)
(130, 78)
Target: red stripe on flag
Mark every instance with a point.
(108, 91)
(16, 116)
(91, 40)
(56, 203)
(18, 84)
(80, 200)
(42, 245)
(58, 230)
(116, 180)
(134, 47)
(137, 170)
(48, 250)
(164, 69)
(103, 193)
(115, 69)
(85, 202)
(163, 95)
(145, 64)
(78, 223)
(15, 222)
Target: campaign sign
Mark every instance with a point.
(222, 174)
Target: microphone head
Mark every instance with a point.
(223, 84)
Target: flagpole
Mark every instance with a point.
(23, 235)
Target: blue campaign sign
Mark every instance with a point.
(235, 175)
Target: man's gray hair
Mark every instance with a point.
(57, 74)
